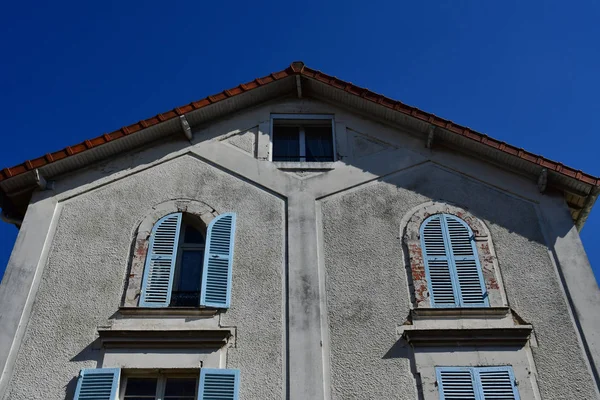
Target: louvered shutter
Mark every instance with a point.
(219, 384)
(160, 262)
(98, 384)
(469, 279)
(496, 383)
(456, 383)
(216, 274)
(437, 263)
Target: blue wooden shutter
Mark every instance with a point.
(437, 263)
(496, 383)
(218, 260)
(98, 384)
(160, 262)
(456, 383)
(468, 275)
(219, 384)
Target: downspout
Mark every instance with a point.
(587, 207)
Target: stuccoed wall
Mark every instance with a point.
(83, 282)
(334, 334)
(367, 287)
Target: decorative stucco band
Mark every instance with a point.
(485, 251)
(140, 246)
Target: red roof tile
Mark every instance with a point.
(298, 68)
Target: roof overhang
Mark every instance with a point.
(17, 183)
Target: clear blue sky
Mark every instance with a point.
(523, 72)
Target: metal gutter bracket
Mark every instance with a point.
(41, 182)
(430, 136)
(185, 126)
(542, 182)
(299, 86)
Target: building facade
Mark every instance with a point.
(295, 238)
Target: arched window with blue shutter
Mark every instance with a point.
(188, 265)
(452, 266)
(217, 274)
(159, 271)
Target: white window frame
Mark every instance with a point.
(161, 381)
(301, 137)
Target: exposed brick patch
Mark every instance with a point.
(487, 259)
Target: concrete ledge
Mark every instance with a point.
(167, 312)
(517, 336)
(132, 339)
(304, 165)
(459, 312)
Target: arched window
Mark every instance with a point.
(186, 268)
(454, 275)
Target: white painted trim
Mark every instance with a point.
(301, 116)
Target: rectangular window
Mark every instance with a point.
(161, 387)
(477, 383)
(303, 137)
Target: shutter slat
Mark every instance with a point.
(219, 384)
(160, 262)
(437, 265)
(97, 384)
(451, 263)
(218, 262)
(497, 383)
(456, 383)
(466, 263)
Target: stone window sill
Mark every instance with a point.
(188, 338)
(304, 165)
(460, 312)
(167, 312)
(509, 336)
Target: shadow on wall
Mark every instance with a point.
(401, 349)
(70, 388)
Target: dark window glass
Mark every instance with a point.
(319, 143)
(140, 388)
(187, 293)
(193, 235)
(286, 143)
(180, 389)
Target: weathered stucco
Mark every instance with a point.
(84, 278)
(367, 285)
(321, 272)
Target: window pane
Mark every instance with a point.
(286, 144)
(180, 388)
(319, 143)
(193, 235)
(187, 293)
(140, 388)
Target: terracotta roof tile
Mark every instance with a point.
(298, 68)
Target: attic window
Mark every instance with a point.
(302, 137)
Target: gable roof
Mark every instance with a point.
(581, 189)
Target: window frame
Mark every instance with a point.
(301, 137)
(161, 383)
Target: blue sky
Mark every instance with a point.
(523, 72)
